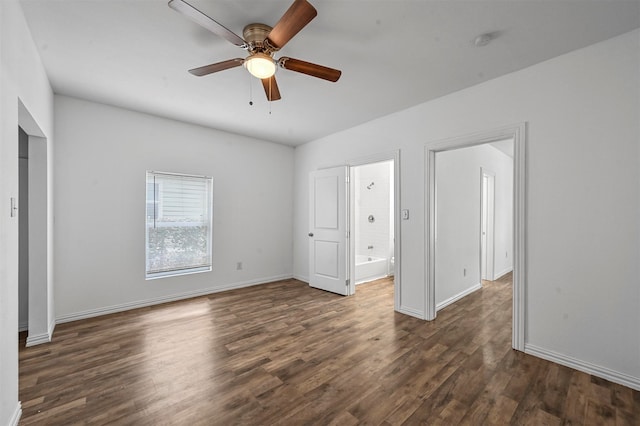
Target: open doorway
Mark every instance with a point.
(443, 205)
(333, 232)
(35, 230)
(473, 200)
(373, 213)
(374, 222)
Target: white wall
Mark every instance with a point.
(22, 78)
(458, 200)
(583, 179)
(102, 154)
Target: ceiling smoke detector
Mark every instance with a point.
(486, 38)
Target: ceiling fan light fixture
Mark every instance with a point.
(260, 65)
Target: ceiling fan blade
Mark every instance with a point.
(200, 18)
(219, 66)
(271, 88)
(308, 68)
(299, 14)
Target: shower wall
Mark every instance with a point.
(373, 197)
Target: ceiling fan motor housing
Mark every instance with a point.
(255, 36)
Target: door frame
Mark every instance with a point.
(394, 157)
(41, 321)
(490, 201)
(518, 132)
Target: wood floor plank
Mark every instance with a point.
(284, 353)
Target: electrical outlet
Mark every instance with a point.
(239, 266)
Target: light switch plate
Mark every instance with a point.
(405, 214)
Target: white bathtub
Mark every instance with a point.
(369, 268)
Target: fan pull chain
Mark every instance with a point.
(270, 98)
(250, 91)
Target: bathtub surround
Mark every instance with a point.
(374, 221)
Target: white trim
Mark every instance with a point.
(518, 133)
(503, 273)
(164, 299)
(584, 366)
(52, 326)
(458, 296)
(430, 235)
(519, 234)
(17, 413)
(23, 326)
(411, 312)
(38, 339)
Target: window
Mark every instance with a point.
(178, 225)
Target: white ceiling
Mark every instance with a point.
(393, 54)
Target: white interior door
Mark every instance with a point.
(328, 229)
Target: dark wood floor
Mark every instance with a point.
(283, 353)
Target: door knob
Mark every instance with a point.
(311, 234)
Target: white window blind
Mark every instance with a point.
(178, 224)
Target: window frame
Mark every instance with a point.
(158, 201)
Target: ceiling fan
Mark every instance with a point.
(261, 41)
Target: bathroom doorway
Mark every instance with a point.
(373, 221)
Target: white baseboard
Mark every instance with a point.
(23, 326)
(52, 326)
(301, 278)
(411, 312)
(458, 296)
(502, 273)
(41, 338)
(585, 367)
(38, 339)
(164, 299)
(17, 413)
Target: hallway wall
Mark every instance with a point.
(22, 80)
